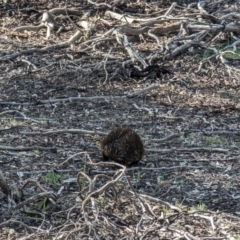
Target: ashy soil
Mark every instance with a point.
(59, 98)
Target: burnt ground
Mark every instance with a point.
(56, 103)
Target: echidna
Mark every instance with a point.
(122, 145)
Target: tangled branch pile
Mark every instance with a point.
(166, 34)
(106, 206)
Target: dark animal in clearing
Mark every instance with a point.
(122, 145)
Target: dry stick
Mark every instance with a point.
(200, 7)
(196, 28)
(79, 175)
(132, 52)
(104, 66)
(77, 131)
(74, 155)
(74, 131)
(29, 28)
(189, 236)
(171, 117)
(182, 48)
(150, 34)
(186, 235)
(44, 67)
(29, 63)
(122, 39)
(137, 227)
(72, 39)
(66, 225)
(48, 21)
(109, 184)
(219, 52)
(158, 29)
(83, 23)
(152, 199)
(170, 19)
(210, 218)
(70, 99)
(49, 14)
(34, 50)
(106, 34)
(145, 207)
(143, 237)
(3, 184)
(210, 17)
(167, 150)
(132, 31)
(2, 147)
(100, 4)
(92, 183)
(169, 11)
(28, 181)
(169, 137)
(214, 27)
(34, 198)
(128, 169)
(144, 90)
(104, 37)
(75, 37)
(233, 132)
(192, 5)
(229, 15)
(178, 168)
(233, 45)
(117, 16)
(58, 11)
(131, 19)
(150, 111)
(174, 135)
(14, 222)
(20, 113)
(79, 230)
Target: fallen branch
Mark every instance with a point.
(204, 149)
(132, 19)
(71, 99)
(33, 199)
(2, 147)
